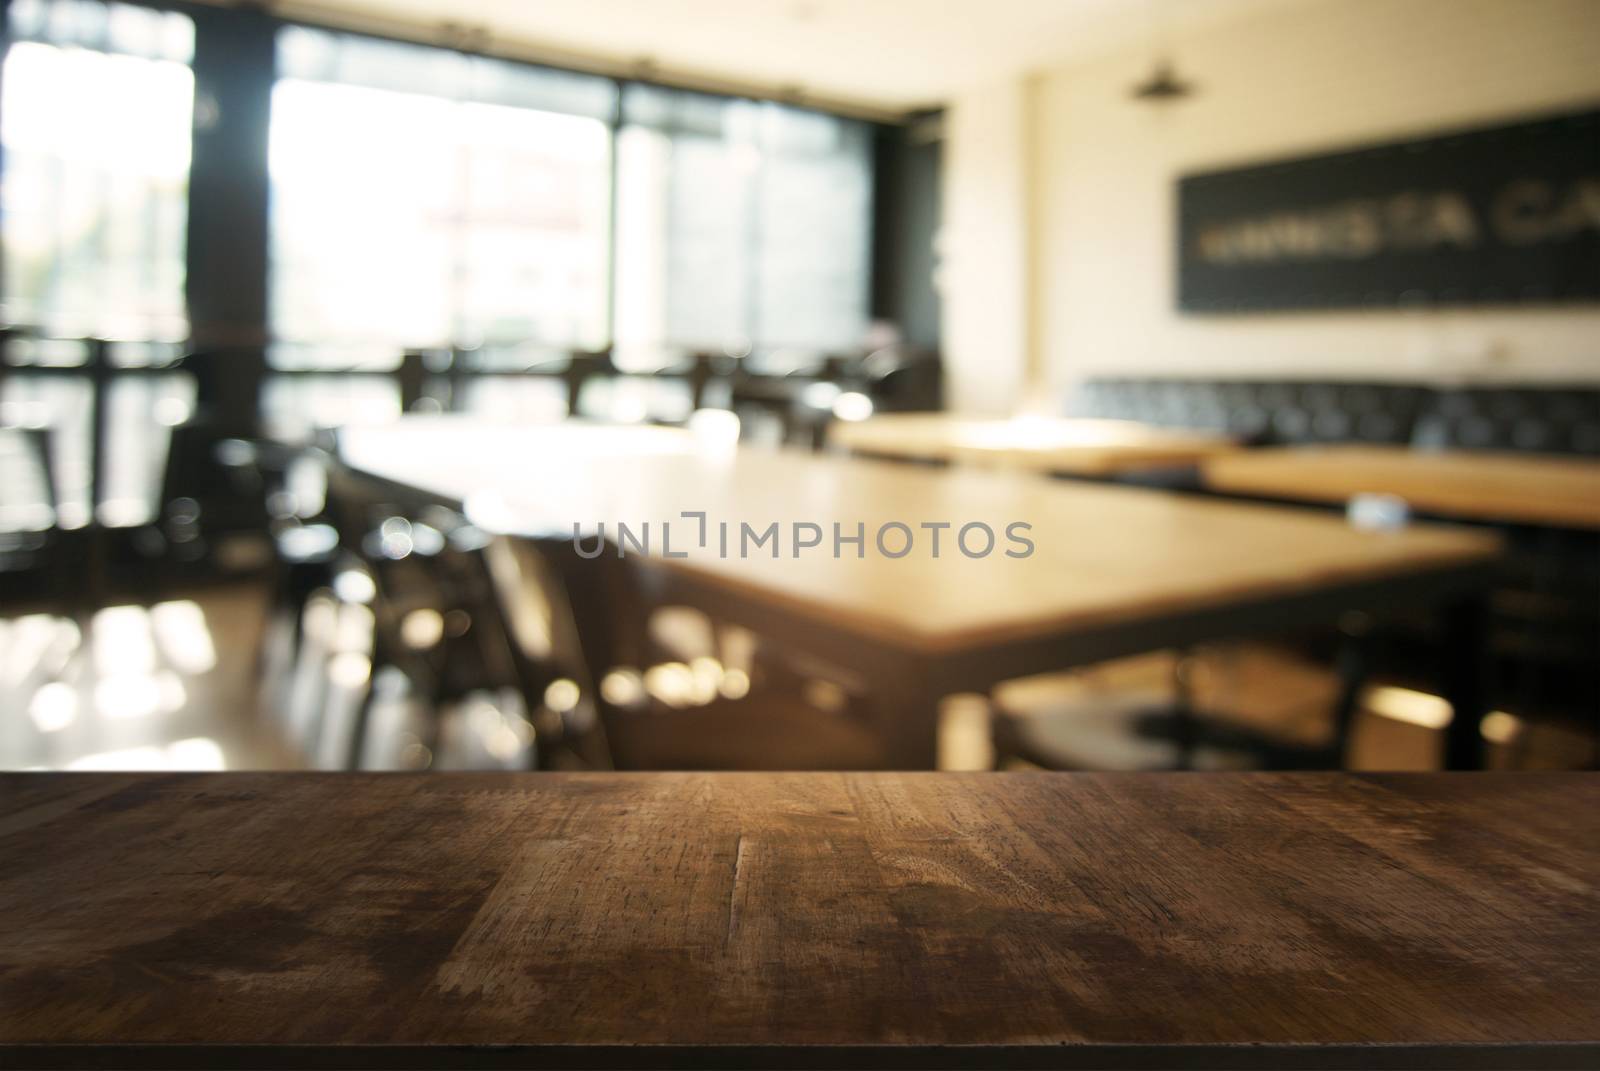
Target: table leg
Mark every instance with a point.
(906, 701)
(1465, 674)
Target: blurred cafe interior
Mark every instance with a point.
(800, 385)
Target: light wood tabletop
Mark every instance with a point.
(800, 920)
(1112, 570)
(1080, 447)
(1102, 555)
(1535, 489)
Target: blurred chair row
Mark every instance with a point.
(191, 503)
(798, 391)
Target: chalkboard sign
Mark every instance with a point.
(1495, 216)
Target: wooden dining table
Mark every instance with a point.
(765, 920)
(1494, 487)
(1067, 445)
(1112, 570)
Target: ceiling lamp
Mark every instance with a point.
(1162, 85)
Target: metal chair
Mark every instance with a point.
(1043, 724)
(416, 567)
(31, 540)
(584, 618)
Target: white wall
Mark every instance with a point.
(1297, 79)
(983, 277)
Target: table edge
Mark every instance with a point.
(1062, 1056)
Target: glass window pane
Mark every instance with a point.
(469, 215)
(23, 351)
(535, 218)
(815, 214)
(293, 406)
(139, 354)
(684, 254)
(334, 356)
(542, 89)
(305, 54)
(104, 27)
(141, 413)
(478, 214)
(96, 149)
(25, 494)
(741, 226)
(361, 235)
(61, 404)
(534, 400)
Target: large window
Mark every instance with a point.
(742, 226)
(98, 99)
(420, 198)
(423, 198)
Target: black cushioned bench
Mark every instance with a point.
(1554, 419)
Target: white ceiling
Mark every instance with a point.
(885, 55)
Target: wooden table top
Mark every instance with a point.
(1044, 444)
(1539, 489)
(1102, 554)
(758, 920)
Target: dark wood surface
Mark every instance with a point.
(961, 920)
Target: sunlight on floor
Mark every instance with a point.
(168, 686)
(196, 754)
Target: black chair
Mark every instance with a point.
(428, 594)
(584, 619)
(894, 379)
(32, 550)
(1306, 726)
(900, 379)
(293, 484)
(1544, 610)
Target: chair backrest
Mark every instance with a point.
(570, 618)
(206, 477)
(35, 562)
(424, 564)
(27, 479)
(901, 379)
(542, 613)
(633, 399)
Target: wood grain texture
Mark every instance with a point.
(1081, 447)
(1471, 485)
(1065, 920)
(1103, 555)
